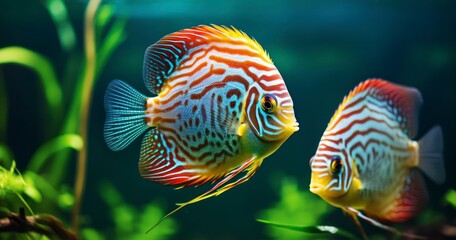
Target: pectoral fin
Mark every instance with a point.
(242, 129)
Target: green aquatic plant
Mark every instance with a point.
(131, 222)
(284, 219)
(432, 216)
(15, 188)
(13, 184)
(294, 208)
(65, 31)
(43, 157)
(450, 197)
(48, 167)
(32, 191)
(46, 74)
(320, 231)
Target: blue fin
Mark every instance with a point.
(125, 115)
(431, 155)
(161, 59)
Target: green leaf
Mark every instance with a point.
(91, 233)
(31, 190)
(6, 156)
(12, 183)
(110, 194)
(42, 66)
(4, 107)
(319, 229)
(66, 200)
(151, 214)
(41, 183)
(103, 16)
(132, 220)
(113, 39)
(294, 206)
(59, 14)
(450, 197)
(38, 160)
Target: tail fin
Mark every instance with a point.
(125, 112)
(431, 155)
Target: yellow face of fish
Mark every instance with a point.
(271, 115)
(331, 175)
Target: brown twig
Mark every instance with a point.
(44, 224)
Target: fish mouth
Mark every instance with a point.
(316, 188)
(294, 127)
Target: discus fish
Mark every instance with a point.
(222, 107)
(366, 159)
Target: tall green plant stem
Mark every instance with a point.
(88, 82)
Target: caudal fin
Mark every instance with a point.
(125, 112)
(431, 155)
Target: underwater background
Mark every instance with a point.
(322, 48)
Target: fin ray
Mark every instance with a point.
(163, 57)
(125, 115)
(406, 100)
(159, 163)
(160, 60)
(251, 165)
(411, 200)
(403, 101)
(431, 155)
(155, 162)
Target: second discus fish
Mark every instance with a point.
(366, 159)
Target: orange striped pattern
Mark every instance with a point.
(208, 80)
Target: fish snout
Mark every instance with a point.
(289, 129)
(287, 117)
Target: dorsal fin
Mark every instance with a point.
(163, 57)
(403, 101)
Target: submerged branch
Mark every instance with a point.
(44, 224)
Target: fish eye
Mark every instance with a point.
(336, 165)
(268, 103)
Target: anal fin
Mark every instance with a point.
(157, 162)
(251, 165)
(411, 200)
